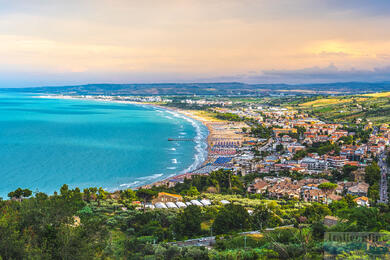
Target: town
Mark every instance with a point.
(290, 154)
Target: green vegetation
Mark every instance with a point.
(345, 174)
(299, 154)
(95, 224)
(231, 218)
(328, 188)
(324, 147)
(100, 225)
(346, 109)
(221, 181)
(19, 193)
(43, 227)
(260, 131)
(229, 117)
(373, 177)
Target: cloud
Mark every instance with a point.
(359, 7)
(191, 40)
(329, 74)
(320, 75)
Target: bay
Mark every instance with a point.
(47, 142)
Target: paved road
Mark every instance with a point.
(383, 191)
(205, 241)
(267, 145)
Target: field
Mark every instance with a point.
(205, 115)
(378, 95)
(373, 107)
(330, 101)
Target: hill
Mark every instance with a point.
(374, 107)
(227, 88)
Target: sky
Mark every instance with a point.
(44, 42)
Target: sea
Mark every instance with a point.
(48, 142)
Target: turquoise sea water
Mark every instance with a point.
(45, 143)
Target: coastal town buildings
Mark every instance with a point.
(287, 162)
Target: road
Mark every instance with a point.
(267, 145)
(206, 241)
(383, 190)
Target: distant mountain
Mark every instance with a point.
(229, 88)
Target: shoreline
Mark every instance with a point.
(184, 113)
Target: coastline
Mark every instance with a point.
(192, 115)
(184, 113)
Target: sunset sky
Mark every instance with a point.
(46, 42)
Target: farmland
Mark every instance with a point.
(374, 107)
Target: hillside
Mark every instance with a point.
(228, 88)
(349, 108)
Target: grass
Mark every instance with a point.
(346, 109)
(330, 101)
(377, 95)
(206, 115)
(256, 236)
(324, 102)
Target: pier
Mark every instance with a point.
(181, 139)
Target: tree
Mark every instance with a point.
(328, 188)
(279, 147)
(261, 131)
(87, 194)
(231, 218)
(261, 216)
(318, 229)
(350, 200)
(128, 194)
(347, 172)
(11, 244)
(226, 180)
(101, 195)
(93, 191)
(64, 190)
(42, 227)
(146, 195)
(373, 192)
(299, 154)
(362, 219)
(188, 222)
(192, 191)
(316, 212)
(337, 205)
(20, 193)
(373, 174)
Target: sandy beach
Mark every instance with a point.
(219, 131)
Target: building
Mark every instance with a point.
(362, 201)
(313, 164)
(331, 221)
(167, 197)
(259, 186)
(361, 189)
